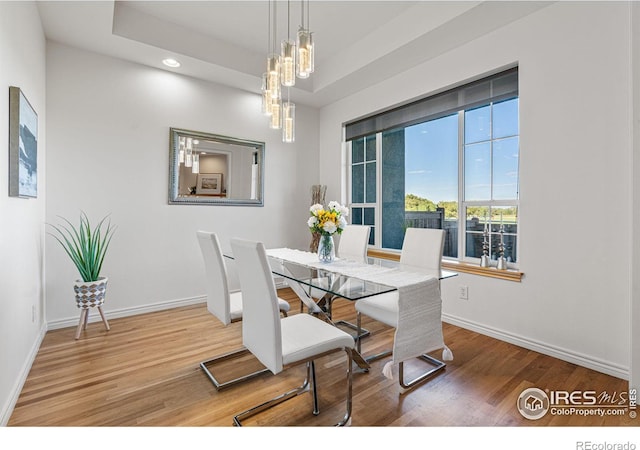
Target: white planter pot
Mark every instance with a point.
(90, 294)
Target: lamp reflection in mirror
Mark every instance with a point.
(188, 156)
(181, 152)
(195, 168)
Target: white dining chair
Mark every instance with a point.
(422, 248)
(225, 305)
(280, 343)
(353, 243)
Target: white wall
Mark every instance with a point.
(22, 52)
(108, 152)
(573, 301)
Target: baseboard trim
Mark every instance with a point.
(587, 361)
(7, 409)
(126, 312)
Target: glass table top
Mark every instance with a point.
(328, 278)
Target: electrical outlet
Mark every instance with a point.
(33, 313)
(464, 292)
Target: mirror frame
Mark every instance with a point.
(174, 169)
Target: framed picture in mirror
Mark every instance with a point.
(209, 184)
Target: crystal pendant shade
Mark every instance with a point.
(288, 63)
(288, 122)
(305, 54)
(266, 96)
(276, 114)
(273, 75)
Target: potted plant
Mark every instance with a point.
(87, 247)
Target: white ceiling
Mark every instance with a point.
(358, 43)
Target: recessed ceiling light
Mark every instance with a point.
(171, 62)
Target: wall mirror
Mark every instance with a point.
(209, 169)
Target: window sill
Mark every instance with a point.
(492, 272)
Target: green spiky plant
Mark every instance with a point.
(85, 246)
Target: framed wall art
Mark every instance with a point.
(23, 146)
(209, 184)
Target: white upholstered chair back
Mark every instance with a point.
(217, 285)
(423, 247)
(353, 242)
(261, 328)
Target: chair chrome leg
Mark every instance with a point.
(237, 419)
(311, 365)
(235, 354)
(346, 420)
(437, 366)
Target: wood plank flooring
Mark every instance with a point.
(145, 372)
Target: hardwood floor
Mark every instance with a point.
(145, 372)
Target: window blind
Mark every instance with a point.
(501, 86)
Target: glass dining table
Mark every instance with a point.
(318, 284)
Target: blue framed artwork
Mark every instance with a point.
(23, 146)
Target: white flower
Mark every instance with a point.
(330, 227)
(312, 221)
(344, 211)
(342, 223)
(315, 208)
(334, 205)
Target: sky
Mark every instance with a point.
(431, 155)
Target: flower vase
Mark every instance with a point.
(326, 248)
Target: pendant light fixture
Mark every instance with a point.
(288, 119)
(296, 59)
(288, 55)
(273, 74)
(266, 93)
(273, 59)
(304, 45)
(288, 58)
(276, 114)
(266, 96)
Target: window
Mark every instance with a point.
(363, 183)
(449, 161)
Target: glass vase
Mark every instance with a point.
(326, 249)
